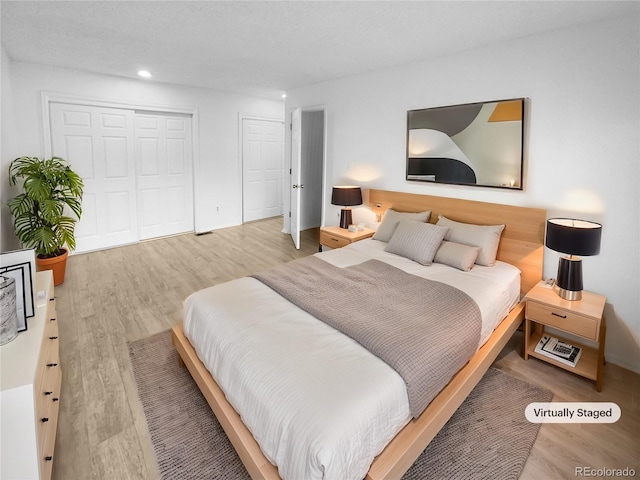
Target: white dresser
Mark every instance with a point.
(31, 377)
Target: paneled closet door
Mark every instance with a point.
(164, 174)
(99, 144)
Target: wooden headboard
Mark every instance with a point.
(522, 241)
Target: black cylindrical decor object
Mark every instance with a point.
(569, 279)
(345, 218)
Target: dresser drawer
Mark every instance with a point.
(48, 388)
(47, 429)
(333, 241)
(563, 319)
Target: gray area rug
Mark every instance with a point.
(487, 438)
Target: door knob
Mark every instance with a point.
(298, 186)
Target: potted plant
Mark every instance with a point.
(40, 212)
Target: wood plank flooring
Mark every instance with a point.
(120, 295)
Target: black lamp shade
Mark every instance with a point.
(346, 196)
(573, 237)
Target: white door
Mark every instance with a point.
(295, 185)
(262, 168)
(164, 174)
(98, 142)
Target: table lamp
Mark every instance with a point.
(573, 237)
(346, 196)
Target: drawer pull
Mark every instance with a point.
(52, 299)
(558, 315)
(44, 419)
(335, 239)
(52, 319)
(56, 399)
(48, 458)
(48, 393)
(52, 364)
(53, 338)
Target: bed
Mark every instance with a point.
(407, 431)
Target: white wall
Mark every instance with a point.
(218, 179)
(583, 152)
(8, 240)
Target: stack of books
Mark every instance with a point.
(562, 352)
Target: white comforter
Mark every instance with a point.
(319, 405)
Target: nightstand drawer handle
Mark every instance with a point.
(558, 315)
(44, 419)
(52, 364)
(53, 338)
(48, 458)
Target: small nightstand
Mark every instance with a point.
(336, 237)
(583, 318)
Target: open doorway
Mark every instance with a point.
(305, 197)
(311, 176)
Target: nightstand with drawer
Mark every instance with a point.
(336, 237)
(581, 318)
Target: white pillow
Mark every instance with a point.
(416, 241)
(364, 215)
(487, 237)
(392, 218)
(457, 255)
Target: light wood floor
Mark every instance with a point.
(120, 295)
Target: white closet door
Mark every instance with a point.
(98, 142)
(164, 174)
(262, 168)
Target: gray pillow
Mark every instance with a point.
(457, 255)
(416, 241)
(392, 218)
(487, 237)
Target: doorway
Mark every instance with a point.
(307, 174)
(311, 175)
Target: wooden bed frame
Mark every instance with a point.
(521, 245)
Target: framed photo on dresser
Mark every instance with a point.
(21, 266)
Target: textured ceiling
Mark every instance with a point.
(265, 48)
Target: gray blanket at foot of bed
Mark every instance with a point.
(425, 330)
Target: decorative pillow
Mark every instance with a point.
(392, 218)
(487, 237)
(417, 241)
(364, 215)
(457, 255)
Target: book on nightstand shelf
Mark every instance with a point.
(558, 350)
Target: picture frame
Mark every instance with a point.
(21, 265)
(477, 144)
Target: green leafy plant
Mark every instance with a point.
(40, 219)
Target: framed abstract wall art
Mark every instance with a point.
(480, 144)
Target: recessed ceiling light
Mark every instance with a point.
(144, 74)
(284, 95)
